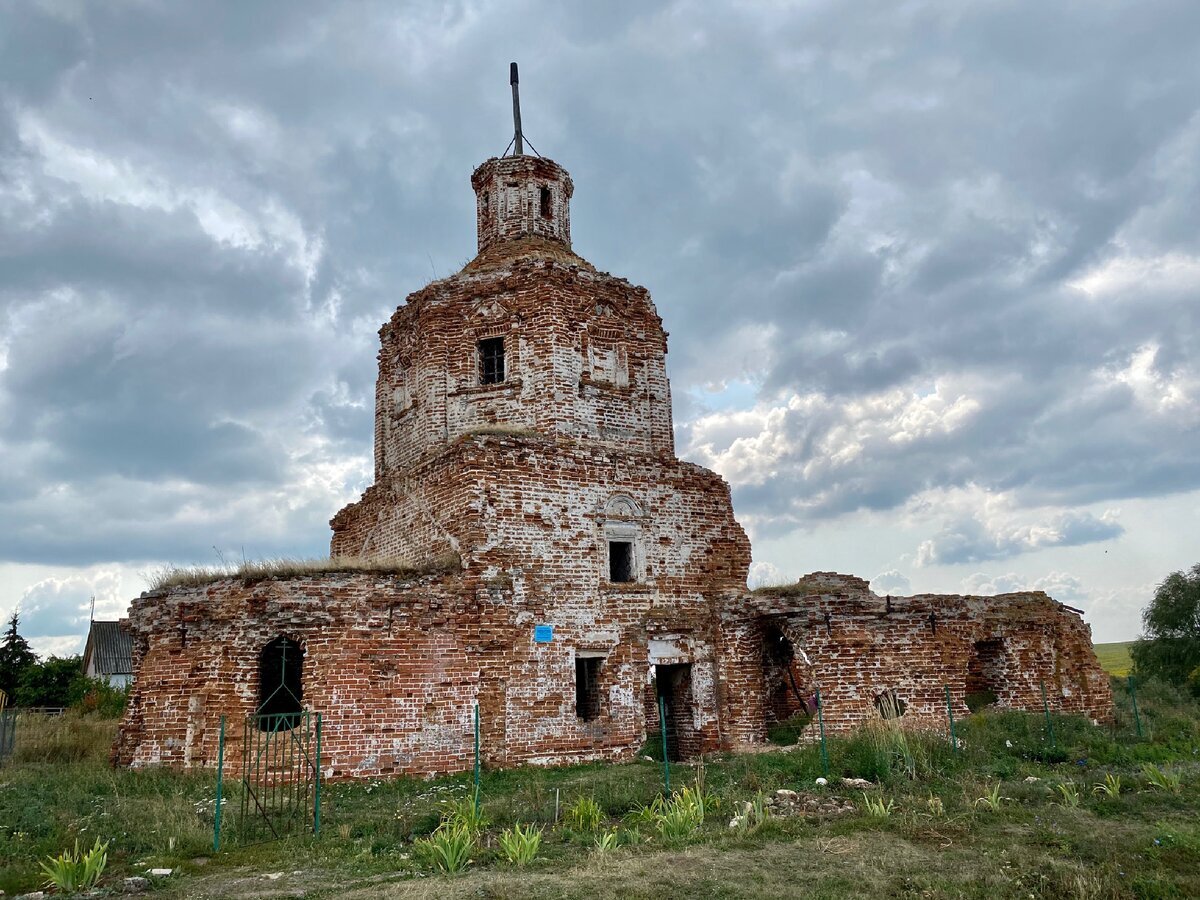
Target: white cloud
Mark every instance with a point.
(1114, 614)
(1174, 394)
(893, 581)
(765, 573)
(979, 537)
(815, 438)
(54, 612)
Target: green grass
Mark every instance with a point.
(1114, 658)
(936, 841)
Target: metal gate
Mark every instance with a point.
(281, 777)
(279, 793)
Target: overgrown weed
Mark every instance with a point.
(169, 577)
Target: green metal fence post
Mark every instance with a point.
(662, 727)
(1046, 708)
(477, 757)
(1137, 719)
(950, 713)
(821, 724)
(220, 775)
(317, 783)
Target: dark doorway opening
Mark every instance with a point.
(785, 691)
(587, 687)
(788, 696)
(280, 685)
(673, 685)
(985, 673)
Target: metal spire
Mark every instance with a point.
(518, 138)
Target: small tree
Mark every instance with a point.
(15, 658)
(1170, 648)
(59, 681)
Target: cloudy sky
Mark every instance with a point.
(931, 271)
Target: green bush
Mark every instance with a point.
(100, 698)
(977, 700)
(787, 732)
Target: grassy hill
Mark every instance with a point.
(1114, 658)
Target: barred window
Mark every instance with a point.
(491, 360)
(620, 561)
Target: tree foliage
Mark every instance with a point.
(16, 658)
(57, 682)
(1170, 647)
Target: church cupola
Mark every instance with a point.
(521, 196)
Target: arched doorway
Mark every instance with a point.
(280, 685)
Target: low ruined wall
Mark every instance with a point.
(395, 668)
(855, 646)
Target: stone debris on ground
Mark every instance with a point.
(786, 803)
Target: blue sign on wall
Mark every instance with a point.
(543, 634)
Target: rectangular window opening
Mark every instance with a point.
(547, 209)
(491, 360)
(620, 561)
(587, 687)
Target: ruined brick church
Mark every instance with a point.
(567, 569)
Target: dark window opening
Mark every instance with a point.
(280, 692)
(587, 687)
(620, 561)
(487, 202)
(491, 360)
(890, 705)
(547, 210)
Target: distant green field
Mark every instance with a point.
(1114, 658)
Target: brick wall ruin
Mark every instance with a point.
(831, 632)
(523, 429)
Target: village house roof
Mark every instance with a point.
(110, 647)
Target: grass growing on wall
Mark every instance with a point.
(262, 569)
(1007, 815)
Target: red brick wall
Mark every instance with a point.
(526, 482)
(857, 649)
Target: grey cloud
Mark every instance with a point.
(886, 205)
(970, 540)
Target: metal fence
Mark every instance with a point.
(8, 732)
(279, 791)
